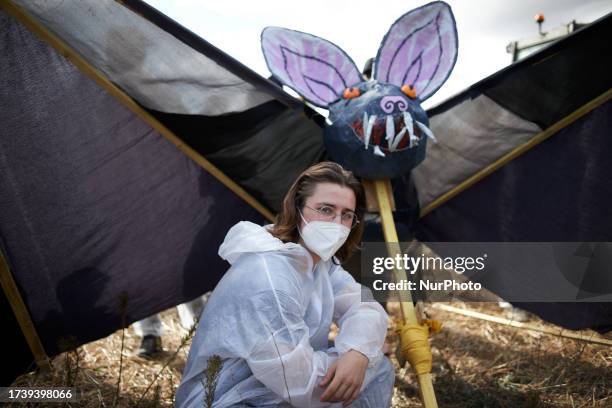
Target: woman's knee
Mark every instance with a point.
(386, 372)
(384, 376)
(379, 391)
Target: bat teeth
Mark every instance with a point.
(409, 123)
(378, 152)
(368, 132)
(397, 140)
(427, 132)
(365, 125)
(390, 128)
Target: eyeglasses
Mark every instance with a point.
(327, 213)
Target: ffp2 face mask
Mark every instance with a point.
(324, 238)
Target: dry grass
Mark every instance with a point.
(476, 364)
(482, 364)
(98, 372)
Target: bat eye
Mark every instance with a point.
(410, 91)
(350, 93)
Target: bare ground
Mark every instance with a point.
(476, 364)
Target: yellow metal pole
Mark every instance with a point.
(409, 315)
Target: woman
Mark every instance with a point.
(269, 317)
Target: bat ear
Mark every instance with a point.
(419, 50)
(315, 68)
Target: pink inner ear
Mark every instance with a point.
(317, 69)
(420, 49)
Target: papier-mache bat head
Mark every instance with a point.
(378, 128)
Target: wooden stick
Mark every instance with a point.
(408, 312)
(526, 326)
(22, 315)
(516, 152)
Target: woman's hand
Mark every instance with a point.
(344, 378)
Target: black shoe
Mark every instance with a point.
(150, 346)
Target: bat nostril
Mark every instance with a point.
(390, 104)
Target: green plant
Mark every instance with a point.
(211, 376)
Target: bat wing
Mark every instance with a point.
(127, 162)
(524, 156)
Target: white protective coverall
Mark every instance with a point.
(269, 319)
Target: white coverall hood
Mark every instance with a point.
(247, 237)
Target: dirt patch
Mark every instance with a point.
(476, 364)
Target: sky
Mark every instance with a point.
(357, 26)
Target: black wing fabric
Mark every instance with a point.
(559, 190)
(95, 203)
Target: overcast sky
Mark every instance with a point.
(484, 27)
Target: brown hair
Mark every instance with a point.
(303, 187)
